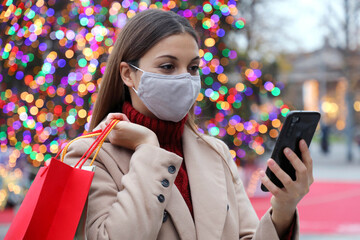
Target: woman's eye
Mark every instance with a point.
(194, 68)
(167, 66)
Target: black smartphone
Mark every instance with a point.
(297, 125)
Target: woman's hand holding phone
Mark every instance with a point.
(285, 200)
(289, 172)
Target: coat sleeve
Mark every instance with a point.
(249, 225)
(136, 211)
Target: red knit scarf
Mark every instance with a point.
(169, 135)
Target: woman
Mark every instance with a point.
(157, 177)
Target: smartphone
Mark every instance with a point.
(297, 125)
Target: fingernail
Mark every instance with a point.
(262, 174)
(271, 162)
(287, 151)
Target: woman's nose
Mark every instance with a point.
(183, 70)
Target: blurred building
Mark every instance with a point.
(318, 81)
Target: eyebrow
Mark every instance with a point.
(175, 58)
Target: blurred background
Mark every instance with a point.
(259, 60)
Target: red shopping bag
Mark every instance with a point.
(54, 203)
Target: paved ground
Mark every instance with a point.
(3, 230)
(326, 237)
(332, 166)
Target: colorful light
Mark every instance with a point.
(53, 60)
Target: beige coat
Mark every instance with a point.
(128, 198)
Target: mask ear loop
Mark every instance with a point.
(139, 70)
(135, 90)
(136, 67)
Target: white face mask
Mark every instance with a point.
(168, 97)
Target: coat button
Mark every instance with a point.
(172, 169)
(161, 198)
(165, 183)
(165, 216)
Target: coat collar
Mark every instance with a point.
(208, 191)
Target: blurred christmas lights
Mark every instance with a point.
(53, 54)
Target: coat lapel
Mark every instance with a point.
(207, 186)
(181, 216)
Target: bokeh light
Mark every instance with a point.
(53, 55)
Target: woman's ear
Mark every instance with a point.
(127, 74)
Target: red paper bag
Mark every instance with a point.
(55, 201)
(53, 205)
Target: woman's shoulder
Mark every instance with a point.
(221, 148)
(74, 150)
(214, 140)
(108, 152)
(215, 143)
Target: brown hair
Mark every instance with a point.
(138, 36)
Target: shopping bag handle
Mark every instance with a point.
(97, 144)
(87, 135)
(98, 133)
(102, 134)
